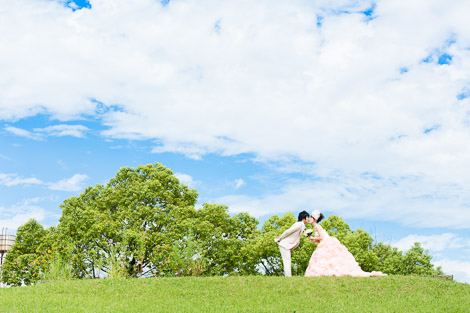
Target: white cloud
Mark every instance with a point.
(18, 214)
(13, 180)
(55, 130)
(437, 242)
(239, 182)
(367, 197)
(74, 183)
(353, 96)
(64, 130)
(186, 179)
(190, 151)
(4, 157)
(21, 132)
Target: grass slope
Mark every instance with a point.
(241, 294)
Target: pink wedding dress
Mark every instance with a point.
(331, 258)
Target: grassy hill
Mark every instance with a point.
(241, 294)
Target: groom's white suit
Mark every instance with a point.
(288, 241)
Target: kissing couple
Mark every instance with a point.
(330, 258)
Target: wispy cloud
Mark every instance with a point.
(435, 243)
(189, 150)
(22, 132)
(55, 130)
(239, 182)
(14, 180)
(16, 215)
(4, 157)
(368, 196)
(64, 130)
(74, 183)
(187, 180)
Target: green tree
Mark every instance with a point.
(143, 208)
(390, 259)
(416, 261)
(336, 227)
(223, 240)
(19, 266)
(211, 242)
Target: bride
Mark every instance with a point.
(331, 258)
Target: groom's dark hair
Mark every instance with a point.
(303, 215)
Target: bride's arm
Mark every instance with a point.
(319, 237)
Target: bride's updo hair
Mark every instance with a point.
(317, 216)
(320, 218)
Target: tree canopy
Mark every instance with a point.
(144, 222)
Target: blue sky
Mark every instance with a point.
(355, 108)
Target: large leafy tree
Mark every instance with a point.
(213, 243)
(35, 256)
(20, 266)
(224, 239)
(140, 210)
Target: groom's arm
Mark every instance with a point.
(294, 228)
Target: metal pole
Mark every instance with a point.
(2, 246)
(2, 252)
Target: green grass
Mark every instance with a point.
(241, 294)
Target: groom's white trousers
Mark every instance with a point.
(286, 260)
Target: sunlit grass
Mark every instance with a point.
(241, 294)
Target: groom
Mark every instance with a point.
(290, 239)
